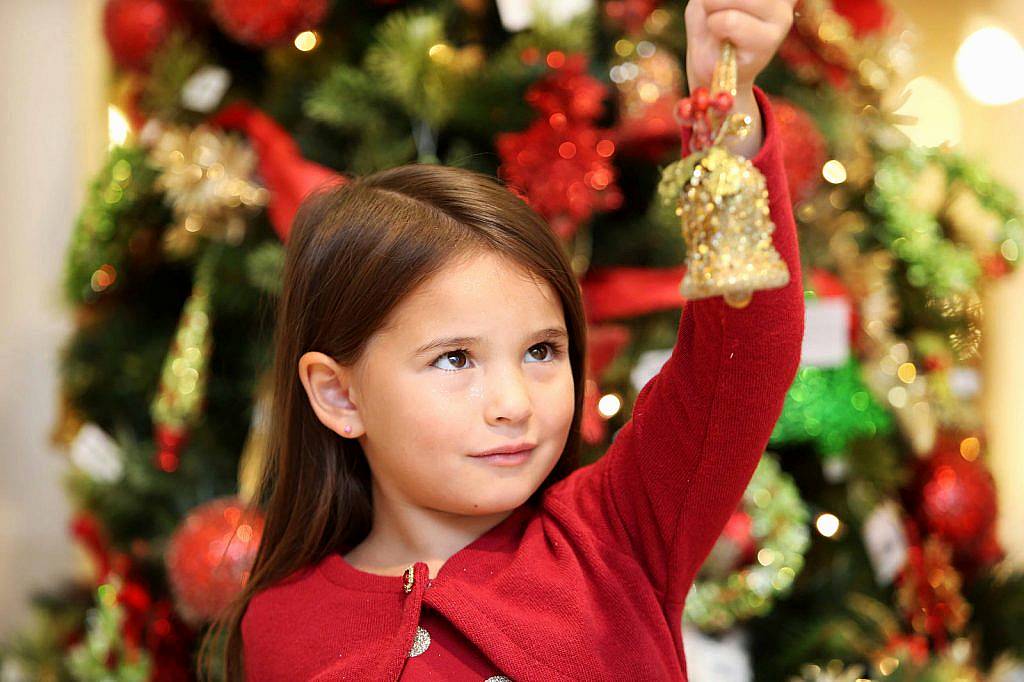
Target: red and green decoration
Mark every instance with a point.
(764, 546)
(180, 397)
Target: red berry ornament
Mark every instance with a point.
(723, 102)
(701, 99)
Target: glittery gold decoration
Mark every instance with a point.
(420, 643)
(722, 201)
(205, 177)
(970, 222)
(866, 275)
(834, 671)
(250, 464)
(179, 399)
(645, 74)
(965, 308)
(874, 61)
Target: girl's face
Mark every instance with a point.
(422, 400)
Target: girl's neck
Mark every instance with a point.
(417, 534)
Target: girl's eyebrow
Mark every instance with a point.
(543, 334)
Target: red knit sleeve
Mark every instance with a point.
(677, 469)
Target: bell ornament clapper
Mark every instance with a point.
(721, 199)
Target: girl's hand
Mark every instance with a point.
(755, 27)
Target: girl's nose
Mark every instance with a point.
(508, 398)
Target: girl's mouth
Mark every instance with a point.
(505, 458)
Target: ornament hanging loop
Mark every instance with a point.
(721, 198)
(724, 77)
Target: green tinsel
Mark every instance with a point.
(934, 262)
(117, 201)
(830, 407)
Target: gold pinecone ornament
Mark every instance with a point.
(722, 200)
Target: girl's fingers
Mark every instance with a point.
(774, 11)
(745, 31)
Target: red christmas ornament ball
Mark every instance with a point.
(957, 500)
(262, 23)
(803, 148)
(134, 29)
(210, 554)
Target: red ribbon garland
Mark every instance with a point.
(286, 174)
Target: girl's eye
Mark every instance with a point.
(451, 354)
(555, 352)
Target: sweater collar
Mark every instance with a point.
(502, 536)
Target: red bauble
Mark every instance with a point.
(262, 23)
(134, 29)
(629, 15)
(957, 501)
(210, 554)
(865, 16)
(803, 148)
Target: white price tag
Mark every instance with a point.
(886, 541)
(97, 454)
(716, 659)
(826, 332)
(204, 90)
(965, 382)
(647, 365)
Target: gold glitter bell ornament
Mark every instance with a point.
(721, 199)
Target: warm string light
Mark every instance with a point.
(118, 127)
(990, 66)
(609, 405)
(828, 525)
(307, 41)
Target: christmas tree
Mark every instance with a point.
(864, 545)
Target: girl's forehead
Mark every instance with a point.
(486, 278)
(486, 293)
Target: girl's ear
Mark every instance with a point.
(327, 385)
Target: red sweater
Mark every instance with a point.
(589, 584)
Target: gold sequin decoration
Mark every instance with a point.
(420, 644)
(722, 202)
(409, 579)
(727, 229)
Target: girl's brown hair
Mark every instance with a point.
(356, 251)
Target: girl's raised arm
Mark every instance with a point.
(677, 469)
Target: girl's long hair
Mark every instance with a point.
(355, 252)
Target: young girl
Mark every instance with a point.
(429, 319)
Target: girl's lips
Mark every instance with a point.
(506, 459)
